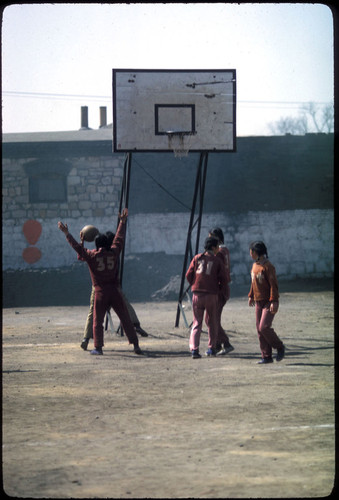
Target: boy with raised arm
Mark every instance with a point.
(102, 264)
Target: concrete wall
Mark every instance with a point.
(279, 189)
(300, 242)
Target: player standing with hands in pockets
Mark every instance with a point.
(102, 264)
(265, 296)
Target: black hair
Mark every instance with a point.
(210, 243)
(259, 248)
(110, 237)
(101, 241)
(217, 233)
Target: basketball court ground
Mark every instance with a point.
(164, 425)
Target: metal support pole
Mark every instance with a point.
(202, 194)
(198, 190)
(124, 198)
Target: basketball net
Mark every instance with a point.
(180, 142)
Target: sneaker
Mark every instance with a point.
(280, 354)
(225, 350)
(211, 352)
(195, 354)
(84, 344)
(137, 350)
(141, 332)
(265, 361)
(97, 351)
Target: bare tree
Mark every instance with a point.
(328, 118)
(312, 118)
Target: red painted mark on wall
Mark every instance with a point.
(32, 230)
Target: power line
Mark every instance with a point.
(47, 95)
(52, 95)
(160, 185)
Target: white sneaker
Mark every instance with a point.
(225, 350)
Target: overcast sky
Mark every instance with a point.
(57, 58)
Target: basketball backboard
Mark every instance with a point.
(150, 105)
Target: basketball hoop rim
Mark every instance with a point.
(179, 132)
(177, 143)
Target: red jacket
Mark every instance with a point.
(224, 254)
(102, 263)
(264, 284)
(207, 274)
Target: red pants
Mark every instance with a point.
(268, 339)
(222, 337)
(105, 298)
(200, 303)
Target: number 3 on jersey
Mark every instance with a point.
(105, 263)
(204, 267)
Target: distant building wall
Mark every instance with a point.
(300, 242)
(92, 196)
(279, 189)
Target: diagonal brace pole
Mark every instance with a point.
(124, 198)
(199, 189)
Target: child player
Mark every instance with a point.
(265, 296)
(102, 264)
(88, 332)
(207, 275)
(223, 342)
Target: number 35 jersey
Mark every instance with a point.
(103, 264)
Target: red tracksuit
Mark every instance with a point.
(223, 296)
(102, 265)
(264, 290)
(207, 275)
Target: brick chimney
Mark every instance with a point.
(84, 118)
(103, 116)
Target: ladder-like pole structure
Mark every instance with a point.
(199, 191)
(124, 198)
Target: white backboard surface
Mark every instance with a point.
(149, 103)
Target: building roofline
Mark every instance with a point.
(101, 134)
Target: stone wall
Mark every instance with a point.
(93, 186)
(278, 189)
(93, 190)
(300, 242)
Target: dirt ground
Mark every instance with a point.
(164, 425)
